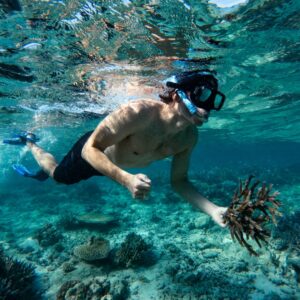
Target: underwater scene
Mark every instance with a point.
(65, 65)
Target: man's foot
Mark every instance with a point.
(21, 138)
(23, 171)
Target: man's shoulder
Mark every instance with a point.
(132, 113)
(140, 108)
(141, 104)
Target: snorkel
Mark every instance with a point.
(192, 108)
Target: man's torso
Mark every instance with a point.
(153, 140)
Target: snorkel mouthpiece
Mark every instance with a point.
(188, 104)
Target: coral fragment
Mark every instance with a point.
(248, 214)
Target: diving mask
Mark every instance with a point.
(203, 88)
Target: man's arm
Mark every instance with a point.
(113, 129)
(182, 185)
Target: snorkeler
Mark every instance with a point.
(137, 134)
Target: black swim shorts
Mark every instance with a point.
(73, 168)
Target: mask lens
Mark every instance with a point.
(203, 93)
(219, 101)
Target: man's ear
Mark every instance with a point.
(175, 97)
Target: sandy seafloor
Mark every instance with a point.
(191, 257)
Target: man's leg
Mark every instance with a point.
(45, 160)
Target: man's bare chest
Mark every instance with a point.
(141, 149)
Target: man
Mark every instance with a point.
(137, 134)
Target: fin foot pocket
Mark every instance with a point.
(23, 171)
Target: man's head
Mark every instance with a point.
(197, 89)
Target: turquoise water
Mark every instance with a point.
(64, 65)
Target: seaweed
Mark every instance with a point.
(252, 208)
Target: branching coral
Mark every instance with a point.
(251, 209)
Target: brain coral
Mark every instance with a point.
(95, 249)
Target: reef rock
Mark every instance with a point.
(97, 288)
(68, 266)
(95, 249)
(64, 288)
(48, 235)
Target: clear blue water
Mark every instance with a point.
(64, 65)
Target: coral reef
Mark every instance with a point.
(250, 212)
(192, 278)
(133, 251)
(96, 288)
(48, 235)
(286, 237)
(16, 279)
(96, 249)
(68, 222)
(64, 288)
(194, 259)
(287, 232)
(68, 266)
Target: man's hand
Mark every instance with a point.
(218, 215)
(139, 186)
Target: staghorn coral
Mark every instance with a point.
(249, 213)
(16, 279)
(97, 248)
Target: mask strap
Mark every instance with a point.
(186, 101)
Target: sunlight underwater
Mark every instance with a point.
(64, 66)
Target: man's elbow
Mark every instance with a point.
(86, 152)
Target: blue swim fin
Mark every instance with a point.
(23, 171)
(21, 138)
